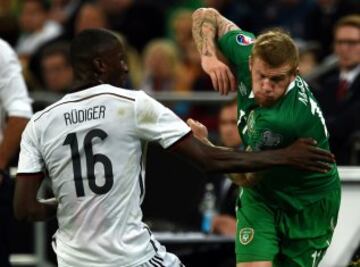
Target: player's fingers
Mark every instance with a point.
(321, 154)
(231, 79)
(223, 81)
(219, 82)
(190, 122)
(214, 81)
(317, 166)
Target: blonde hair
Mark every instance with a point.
(167, 48)
(276, 48)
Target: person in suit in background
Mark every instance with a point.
(339, 91)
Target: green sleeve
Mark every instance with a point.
(236, 46)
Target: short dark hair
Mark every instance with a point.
(89, 44)
(59, 48)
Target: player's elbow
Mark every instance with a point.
(203, 12)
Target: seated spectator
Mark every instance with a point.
(36, 28)
(56, 68)
(339, 91)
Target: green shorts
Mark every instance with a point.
(291, 239)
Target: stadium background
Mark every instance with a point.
(164, 62)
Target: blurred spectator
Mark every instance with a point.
(115, 9)
(143, 22)
(9, 29)
(339, 90)
(225, 222)
(181, 30)
(56, 68)
(36, 28)
(308, 57)
(320, 20)
(133, 58)
(15, 111)
(237, 11)
(162, 67)
(62, 10)
(90, 16)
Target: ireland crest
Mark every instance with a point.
(246, 235)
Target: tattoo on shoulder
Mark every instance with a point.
(225, 25)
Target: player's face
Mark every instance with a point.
(117, 66)
(268, 83)
(347, 46)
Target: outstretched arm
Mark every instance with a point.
(209, 25)
(302, 154)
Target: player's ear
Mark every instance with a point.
(99, 65)
(250, 63)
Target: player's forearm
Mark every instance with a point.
(230, 161)
(209, 24)
(204, 30)
(11, 139)
(36, 211)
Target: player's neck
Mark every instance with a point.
(83, 85)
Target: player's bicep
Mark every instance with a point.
(30, 158)
(192, 149)
(154, 122)
(236, 45)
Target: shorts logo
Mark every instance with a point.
(246, 235)
(242, 39)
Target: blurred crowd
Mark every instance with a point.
(162, 55)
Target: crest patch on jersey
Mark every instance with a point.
(270, 139)
(244, 40)
(246, 235)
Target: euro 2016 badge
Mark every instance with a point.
(246, 235)
(244, 40)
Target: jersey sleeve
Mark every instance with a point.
(30, 159)
(13, 93)
(155, 122)
(236, 47)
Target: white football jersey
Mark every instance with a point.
(91, 143)
(14, 98)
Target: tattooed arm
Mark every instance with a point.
(208, 24)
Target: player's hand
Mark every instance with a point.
(304, 154)
(224, 225)
(199, 130)
(221, 76)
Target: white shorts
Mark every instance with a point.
(162, 258)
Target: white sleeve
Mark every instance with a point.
(14, 98)
(30, 159)
(154, 122)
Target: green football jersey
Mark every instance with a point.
(297, 114)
